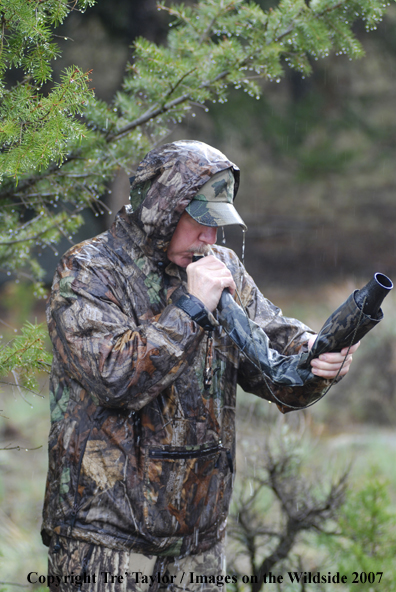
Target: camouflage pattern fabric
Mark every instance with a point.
(213, 204)
(141, 456)
(345, 326)
(199, 573)
(92, 568)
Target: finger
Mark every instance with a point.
(208, 261)
(327, 370)
(350, 350)
(322, 366)
(211, 261)
(334, 357)
(331, 364)
(227, 282)
(330, 373)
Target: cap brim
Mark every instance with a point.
(214, 214)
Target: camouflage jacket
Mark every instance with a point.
(141, 456)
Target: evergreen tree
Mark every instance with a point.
(61, 145)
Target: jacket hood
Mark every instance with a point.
(166, 181)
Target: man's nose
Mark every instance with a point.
(208, 235)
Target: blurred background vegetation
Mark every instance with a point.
(317, 192)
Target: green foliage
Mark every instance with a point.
(39, 228)
(38, 129)
(367, 540)
(25, 355)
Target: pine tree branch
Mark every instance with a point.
(28, 238)
(146, 117)
(21, 351)
(160, 109)
(334, 7)
(156, 111)
(22, 386)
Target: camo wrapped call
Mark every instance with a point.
(141, 456)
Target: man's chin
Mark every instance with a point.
(185, 261)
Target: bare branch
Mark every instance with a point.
(298, 505)
(19, 448)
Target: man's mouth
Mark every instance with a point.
(199, 250)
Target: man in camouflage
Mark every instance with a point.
(143, 384)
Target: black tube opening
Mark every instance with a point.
(383, 281)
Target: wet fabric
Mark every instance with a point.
(141, 454)
(92, 568)
(252, 341)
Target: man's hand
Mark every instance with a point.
(207, 278)
(328, 365)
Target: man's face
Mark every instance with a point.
(189, 237)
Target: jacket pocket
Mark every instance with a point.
(183, 489)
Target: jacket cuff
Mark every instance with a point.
(197, 311)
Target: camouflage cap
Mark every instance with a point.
(213, 204)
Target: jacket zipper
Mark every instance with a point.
(184, 453)
(180, 454)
